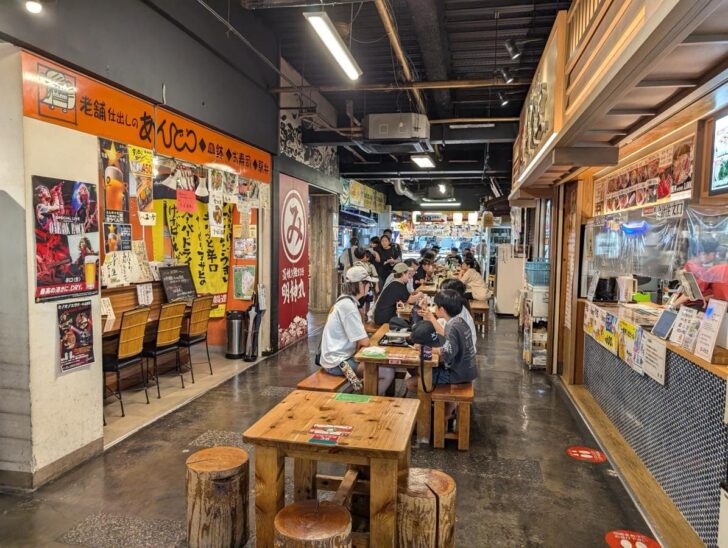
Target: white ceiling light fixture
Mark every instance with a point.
(440, 204)
(328, 34)
(423, 160)
(503, 99)
(512, 48)
(34, 7)
(442, 188)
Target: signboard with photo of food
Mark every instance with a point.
(719, 178)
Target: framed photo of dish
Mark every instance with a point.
(719, 159)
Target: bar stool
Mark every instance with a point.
(168, 335)
(129, 351)
(195, 332)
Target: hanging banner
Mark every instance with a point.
(214, 205)
(66, 238)
(55, 94)
(293, 261)
(141, 167)
(76, 335)
(181, 138)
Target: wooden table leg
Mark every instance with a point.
(371, 378)
(304, 479)
(269, 492)
(424, 413)
(403, 464)
(383, 503)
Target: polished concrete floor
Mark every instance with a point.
(516, 485)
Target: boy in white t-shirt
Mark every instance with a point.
(344, 332)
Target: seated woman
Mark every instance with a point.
(344, 332)
(474, 282)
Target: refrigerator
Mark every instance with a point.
(509, 272)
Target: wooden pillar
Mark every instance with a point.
(324, 224)
(217, 497)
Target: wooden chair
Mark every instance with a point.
(195, 331)
(322, 382)
(167, 340)
(129, 351)
(462, 394)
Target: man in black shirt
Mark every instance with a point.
(424, 270)
(386, 307)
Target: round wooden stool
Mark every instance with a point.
(313, 524)
(426, 509)
(217, 497)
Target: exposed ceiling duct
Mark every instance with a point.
(401, 189)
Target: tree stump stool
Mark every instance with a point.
(313, 524)
(426, 509)
(217, 497)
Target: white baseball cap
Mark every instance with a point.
(358, 274)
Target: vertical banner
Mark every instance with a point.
(76, 334)
(293, 261)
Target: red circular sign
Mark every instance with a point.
(293, 226)
(587, 454)
(629, 539)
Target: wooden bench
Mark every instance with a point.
(480, 311)
(463, 395)
(322, 382)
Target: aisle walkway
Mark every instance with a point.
(516, 486)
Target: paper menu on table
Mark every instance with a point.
(710, 328)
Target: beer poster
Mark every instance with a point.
(76, 335)
(115, 180)
(141, 165)
(66, 238)
(117, 237)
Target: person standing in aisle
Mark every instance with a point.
(363, 257)
(389, 256)
(347, 259)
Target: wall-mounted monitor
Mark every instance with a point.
(719, 175)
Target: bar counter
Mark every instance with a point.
(676, 429)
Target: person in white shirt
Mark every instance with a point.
(344, 332)
(347, 258)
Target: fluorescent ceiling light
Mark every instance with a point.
(513, 50)
(442, 188)
(470, 126)
(440, 204)
(332, 40)
(422, 160)
(34, 7)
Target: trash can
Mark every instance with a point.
(235, 344)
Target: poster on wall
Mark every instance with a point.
(141, 167)
(654, 179)
(293, 261)
(243, 282)
(66, 238)
(115, 180)
(214, 205)
(76, 335)
(117, 237)
(244, 248)
(719, 179)
(249, 190)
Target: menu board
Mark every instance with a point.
(719, 179)
(654, 354)
(177, 283)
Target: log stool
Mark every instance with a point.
(426, 509)
(462, 394)
(217, 497)
(313, 524)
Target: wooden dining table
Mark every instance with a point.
(376, 433)
(402, 358)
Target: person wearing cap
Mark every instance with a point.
(412, 264)
(344, 332)
(396, 292)
(457, 354)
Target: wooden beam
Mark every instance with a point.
(585, 156)
(706, 38)
(676, 83)
(632, 112)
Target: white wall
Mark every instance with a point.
(15, 423)
(66, 410)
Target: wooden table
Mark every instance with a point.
(428, 289)
(379, 438)
(402, 358)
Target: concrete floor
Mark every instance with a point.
(516, 485)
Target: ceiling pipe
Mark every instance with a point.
(401, 189)
(405, 86)
(389, 26)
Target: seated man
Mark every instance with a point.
(344, 332)
(459, 286)
(457, 355)
(396, 292)
(424, 271)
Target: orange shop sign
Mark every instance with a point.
(184, 139)
(53, 93)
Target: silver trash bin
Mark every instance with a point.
(235, 344)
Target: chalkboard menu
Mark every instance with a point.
(177, 283)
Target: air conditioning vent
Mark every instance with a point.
(408, 147)
(396, 127)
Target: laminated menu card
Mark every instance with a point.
(710, 328)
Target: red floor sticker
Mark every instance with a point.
(588, 454)
(629, 539)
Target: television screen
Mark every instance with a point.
(719, 179)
